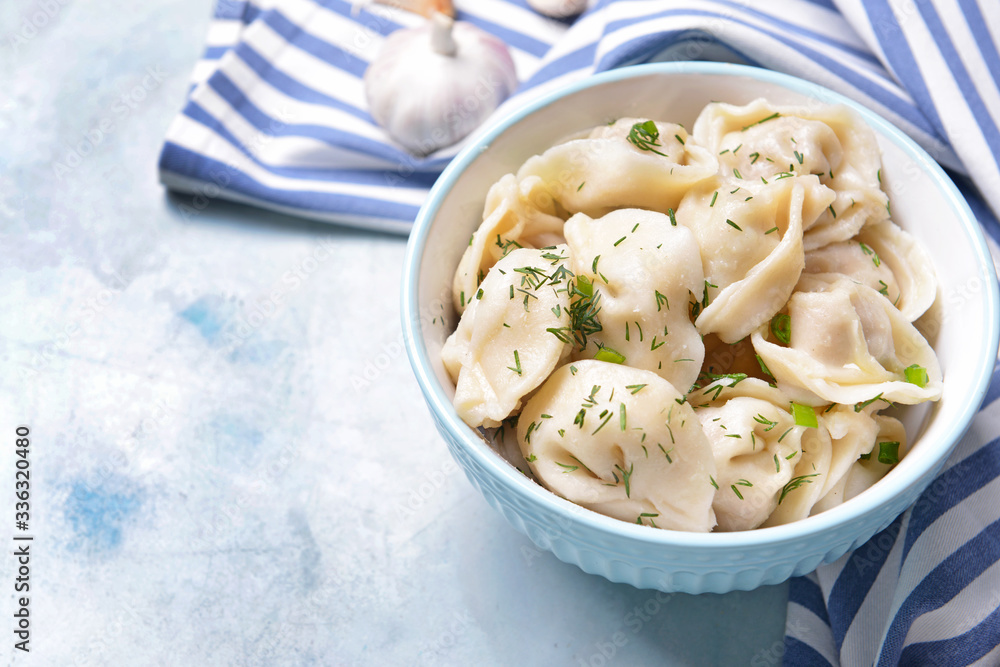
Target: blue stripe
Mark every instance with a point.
(897, 52)
(293, 87)
(413, 179)
(178, 160)
(325, 51)
(856, 579)
(510, 37)
(366, 19)
(964, 649)
(970, 94)
(942, 584)
(993, 393)
(952, 487)
(800, 654)
(984, 40)
(571, 62)
(215, 52)
(806, 592)
(230, 10)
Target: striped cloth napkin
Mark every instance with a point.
(276, 117)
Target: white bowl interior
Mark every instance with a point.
(962, 326)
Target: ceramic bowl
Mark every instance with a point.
(962, 327)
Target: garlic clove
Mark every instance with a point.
(432, 85)
(558, 9)
(425, 7)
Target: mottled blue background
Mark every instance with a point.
(231, 463)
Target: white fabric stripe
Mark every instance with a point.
(991, 15)
(854, 12)
(285, 151)
(866, 630)
(962, 613)
(266, 97)
(203, 70)
(827, 575)
(808, 628)
(196, 187)
(946, 535)
(960, 124)
(956, 25)
(200, 139)
(303, 66)
(223, 32)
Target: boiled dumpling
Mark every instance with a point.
(638, 164)
(643, 270)
(848, 344)
(622, 442)
(756, 444)
(518, 214)
(501, 349)
(888, 260)
(751, 248)
(765, 141)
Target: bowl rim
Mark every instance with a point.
(878, 496)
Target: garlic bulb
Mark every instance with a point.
(558, 9)
(432, 85)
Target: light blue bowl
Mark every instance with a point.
(963, 328)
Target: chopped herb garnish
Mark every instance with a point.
(606, 419)
(795, 483)
(888, 452)
(762, 120)
(661, 301)
(736, 491)
(784, 434)
(611, 356)
(645, 136)
(761, 419)
(772, 229)
(568, 468)
(858, 407)
(781, 327)
(736, 173)
(622, 419)
(832, 212)
(626, 477)
(874, 255)
(755, 156)
(580, 187)
(715, 196)
(619, 241)
(517, 364)
(572, 370)
(734, 225)
(917, 375)
(712, 480)
(777, 464)
(673, 218)
(531, 458)
(763, 366)
(804, 415)
(798, 156)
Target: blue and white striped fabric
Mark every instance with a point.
(276, 117)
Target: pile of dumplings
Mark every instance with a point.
(696, 331)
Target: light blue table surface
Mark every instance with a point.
(231, 462)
